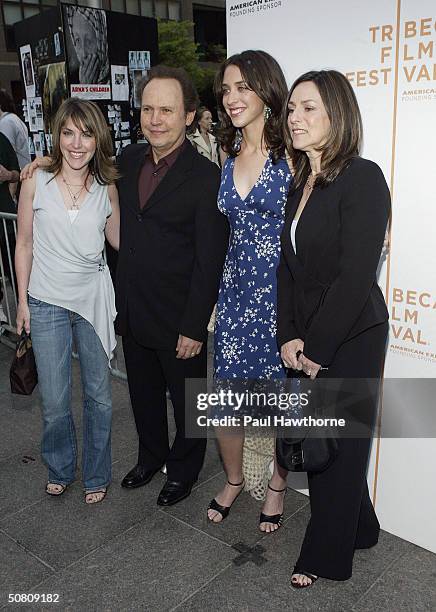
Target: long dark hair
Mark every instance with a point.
(345, 137)
(85, 115)
(263, 75)
(195, 125)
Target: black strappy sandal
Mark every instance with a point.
(224, 510)
(311, 577)
(274, 519)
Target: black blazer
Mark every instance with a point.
(328, 292)
(172, 252)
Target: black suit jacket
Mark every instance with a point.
(328, 291)
(172, 252)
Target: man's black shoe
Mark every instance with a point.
(173, 492)
(137, 477)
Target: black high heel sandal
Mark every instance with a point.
(274, 519)
(224, 510)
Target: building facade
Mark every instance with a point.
(208, 16)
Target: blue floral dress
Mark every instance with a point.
(245, 330)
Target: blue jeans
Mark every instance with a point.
(52, 330)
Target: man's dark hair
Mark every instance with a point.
(190, 96)
(6, 102)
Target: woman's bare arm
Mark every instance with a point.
(112, 230)
(24, 251)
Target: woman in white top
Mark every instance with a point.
(65, 291)
(202, 139)
(14, 129)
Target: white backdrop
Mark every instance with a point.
(388, 52)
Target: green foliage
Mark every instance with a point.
(177, 48)
(213, 53)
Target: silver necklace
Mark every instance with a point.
(74, 196)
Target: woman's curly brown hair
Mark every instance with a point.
(262, 73)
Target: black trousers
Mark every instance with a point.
(342, 515)
(149, 373)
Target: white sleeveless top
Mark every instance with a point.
(293, 230)
(68, 269)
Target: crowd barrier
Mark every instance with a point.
(8, 234)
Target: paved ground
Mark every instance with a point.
(127, 554)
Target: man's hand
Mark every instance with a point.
(5, 174)
(38, 162)
(187, 348)
(309, 367)
(289, 352)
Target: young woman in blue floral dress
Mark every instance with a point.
(251, 90)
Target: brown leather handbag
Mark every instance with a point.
(23, 374)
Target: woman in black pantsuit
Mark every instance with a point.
(332, 317)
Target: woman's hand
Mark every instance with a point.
(38, 162)
(23, 318)
(289, 352)
(309, 367)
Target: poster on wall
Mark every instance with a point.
(120, 144)
(136, 79)
(139, 60)
(57, 44)
(35, 115)
(139, 65)
(91, 92)
(113, 114)
(120, 83)
(25, 110)
(87, 52)
(31, 146)
(48, 143)
(53, 87)
(38, 144)
(41, 51)
(122, 130)
(27, 65)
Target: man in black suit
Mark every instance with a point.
(172, 249)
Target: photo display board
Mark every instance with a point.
(87, 53)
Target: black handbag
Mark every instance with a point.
(23, 375)
(307, 452)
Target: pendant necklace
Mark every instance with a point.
(74, 196)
